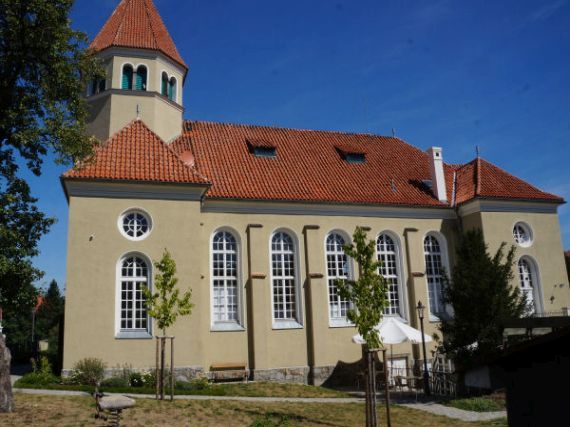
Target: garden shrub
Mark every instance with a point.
(117, 381)
(41, 375)
(88, 371)
(136, 379)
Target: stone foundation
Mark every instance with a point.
(322, 373)
(186, 373)
(296, 374)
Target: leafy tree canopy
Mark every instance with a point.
(482, 297)
(166, 304)
(369, 293)
(44, 68)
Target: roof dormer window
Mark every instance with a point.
(261, 148)
(351, 153)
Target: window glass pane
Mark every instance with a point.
(434, 273)
(283, 277)
(389, 268)
(134, 275)
(527, 280)
(337, 269)
(225, 285)
(140, 80)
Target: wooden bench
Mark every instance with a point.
(228, 371)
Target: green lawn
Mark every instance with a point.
(33, 410)
(251, 389)
(495, 402)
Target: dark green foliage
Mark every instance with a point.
(42, 375)
(114, 382)
(44, 69)
(165, 304)
(368, 293)
(136, 379)
(48, 319)
(481, 294)
(568, 264)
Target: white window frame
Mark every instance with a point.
(227, 325)
(442, 241)
(527, 230)
(537, 299)
(134, 333)
(337, 322)
(402, 296)
(296, 323)
(139, 211)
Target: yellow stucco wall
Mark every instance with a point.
(95, 246)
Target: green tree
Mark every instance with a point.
(44, 69)
(48, 319)
(368, 296)
(482, 297)
(165, 305)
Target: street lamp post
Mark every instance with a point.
(420, 309)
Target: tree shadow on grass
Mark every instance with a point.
(278, 419)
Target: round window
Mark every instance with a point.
(135, 225)
(522, 234)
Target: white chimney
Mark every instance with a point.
(437, 175)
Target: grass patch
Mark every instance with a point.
(34, 410)
(489, 403)
(252, 389)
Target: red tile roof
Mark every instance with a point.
(137, 24)
(479, 178)
(567, 254)
(136, 154)
(307, 167)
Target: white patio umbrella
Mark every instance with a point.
(394, 331)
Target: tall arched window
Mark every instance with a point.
(337, 268)
(434, 273)
(284, 278)
(172, 89)
(141, 78)
(388, 255)
(133, 275)
(225, 290)
(528, 282)
(164, 85)
(127, 79)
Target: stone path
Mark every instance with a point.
(433, 408)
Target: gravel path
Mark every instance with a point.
(433, 408)
(458, 414)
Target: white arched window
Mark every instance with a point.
(528, 281)
(284, 280)
(434, 273)
(225, 282)
(388, 255)
(172, 87)
(133, 320)
(337, 268)
(522, 234)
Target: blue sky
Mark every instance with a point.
(450, 73)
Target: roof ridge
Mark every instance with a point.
(154, 36)
(122, 21)
(277, 127)
(478, 177)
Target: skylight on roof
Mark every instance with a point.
(351, 153)
(261, 147)
(264, 151)
(355, 157)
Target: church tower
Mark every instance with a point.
(144, 74)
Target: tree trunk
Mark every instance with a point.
(162, 348)
(370, 388)
(6, 398)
